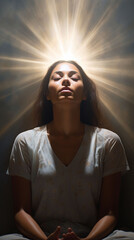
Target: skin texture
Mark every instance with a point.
(23, 212)
(66, 85)
(66, 91)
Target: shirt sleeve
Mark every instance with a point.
(19, 164)
(115, 158)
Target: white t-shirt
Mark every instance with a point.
(67, 195)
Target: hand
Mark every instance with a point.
(70, 235)
(55, 235)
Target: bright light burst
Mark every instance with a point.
(39, 33)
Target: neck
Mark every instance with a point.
(66, 121)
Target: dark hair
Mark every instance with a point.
(89, 111)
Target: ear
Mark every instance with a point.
(84, 96)
(47, 95)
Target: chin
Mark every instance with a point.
(66, 97)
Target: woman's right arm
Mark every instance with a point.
(23, 209)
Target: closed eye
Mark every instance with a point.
(56, 78)
(75, 77)
(72, 75)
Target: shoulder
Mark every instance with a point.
(107, 134)
(102, 132)
(30, 135)
(102, 135)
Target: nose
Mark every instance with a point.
(66, 82)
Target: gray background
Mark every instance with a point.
(19, 81)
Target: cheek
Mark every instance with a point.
(52, 90)
(80, 92)
(80, 89)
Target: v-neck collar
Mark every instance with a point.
(77, 155)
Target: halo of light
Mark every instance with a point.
(47, 31)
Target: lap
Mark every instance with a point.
(116, 235)
(119, 235)
(14, 236)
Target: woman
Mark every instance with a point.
(66, 173)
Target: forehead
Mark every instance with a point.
(65, 67)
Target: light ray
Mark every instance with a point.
(20, 60)
(127, 130)
(29, 81)
(23, 44)
(11, 123)
(103, 19)
(80, 30)
(112, 86)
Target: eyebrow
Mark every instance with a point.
(70, 73)
(59, 72)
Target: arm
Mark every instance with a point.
(108, 210)
(23, 211)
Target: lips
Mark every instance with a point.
(65, 89)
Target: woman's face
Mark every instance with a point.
(65, 84)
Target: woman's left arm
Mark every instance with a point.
(108, 207)
(108, 210)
